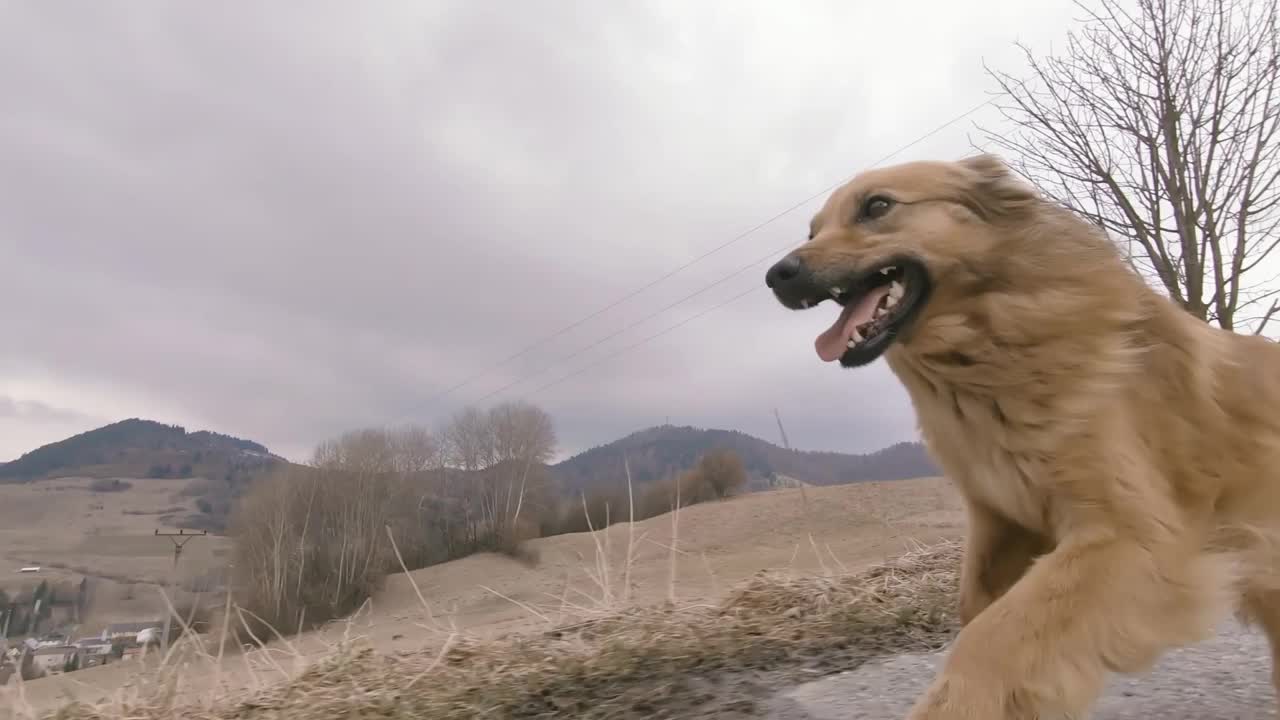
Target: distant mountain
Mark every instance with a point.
(228, 465)
(141, 448)
(662, 451)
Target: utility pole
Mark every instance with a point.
(781, 430)
(180, 539)
(786, 443)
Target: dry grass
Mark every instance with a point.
(514, 642)
(704, 660)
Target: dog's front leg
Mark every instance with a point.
(1092, 605)
(997, 552)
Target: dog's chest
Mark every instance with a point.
(975, 452)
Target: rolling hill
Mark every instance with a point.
(227, 465)
(139, 448)
(661, 451)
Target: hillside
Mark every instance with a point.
(224, 466)
(659, 452)
(137, 448)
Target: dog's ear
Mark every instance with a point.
(993, 191)
(985, 164)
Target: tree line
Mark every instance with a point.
(313, 541)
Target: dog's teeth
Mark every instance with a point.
(895, 290)
(857, 338)
(835, 292)
(888, 271)
(890, 301)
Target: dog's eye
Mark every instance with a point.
(876, 206)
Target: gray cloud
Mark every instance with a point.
(282, 225)
(35, 411)
(29, 423)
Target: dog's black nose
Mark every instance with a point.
(783, 271)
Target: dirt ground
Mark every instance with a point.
(694, 557)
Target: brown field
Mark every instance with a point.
(73, 532)
(695, 558)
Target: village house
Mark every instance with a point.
(94, 651)
(53, 660)
(53, 639)
(128, 632)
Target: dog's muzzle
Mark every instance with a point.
(792, 282)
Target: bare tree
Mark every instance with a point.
(416, 450)
(311, 542)
(357, 478)
(496, 473)
(1159, 123)
(522, 432)
(368, 450)
(425, 526)
(469, 440)
(524, 439)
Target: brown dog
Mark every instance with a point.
(1120, 459)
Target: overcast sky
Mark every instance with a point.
(282, 225)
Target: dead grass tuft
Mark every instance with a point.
(706, 660)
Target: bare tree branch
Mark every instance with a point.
(1161, 125)
(1266, 317)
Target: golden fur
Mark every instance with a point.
(1118, 457)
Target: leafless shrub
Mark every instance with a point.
(718, 474)
(164, 511)
(109, 485)
(722, 471)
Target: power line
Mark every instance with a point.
(705, 288)
(537, 343)
(647, 339)
(629, 295)
(627, 327)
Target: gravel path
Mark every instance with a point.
(1225, 678)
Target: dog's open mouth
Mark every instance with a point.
(877, 305)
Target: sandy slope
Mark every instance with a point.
(709, 549)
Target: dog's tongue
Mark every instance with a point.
(832, 343)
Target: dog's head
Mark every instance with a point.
(894, 243)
